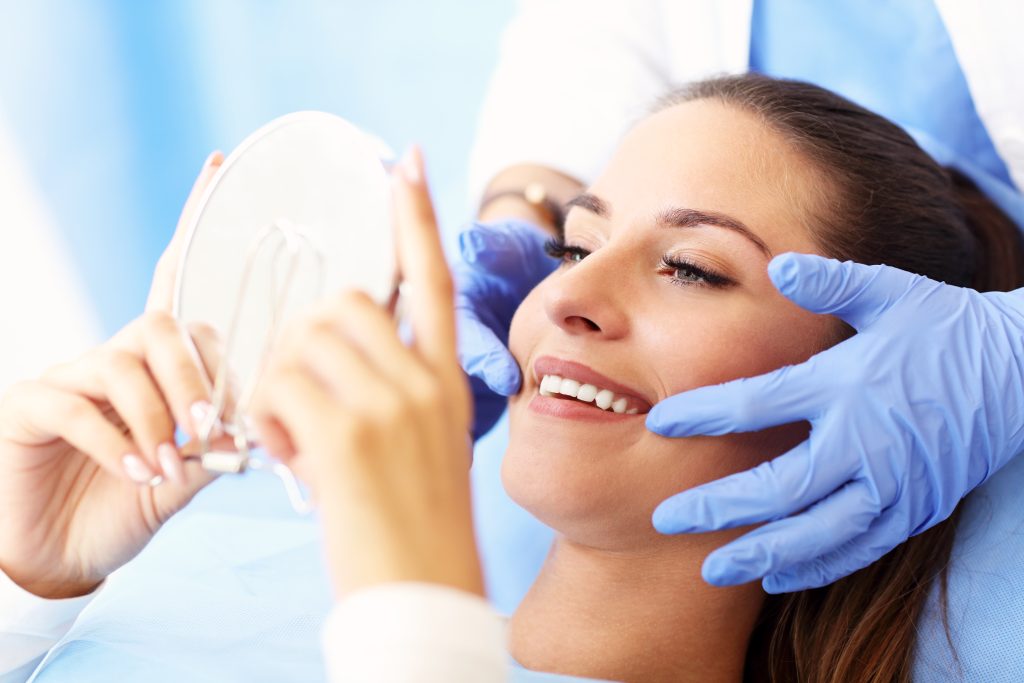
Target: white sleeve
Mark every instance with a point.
(572, 76)
(414, 633)
(30, 626)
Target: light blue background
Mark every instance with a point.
(114, 105)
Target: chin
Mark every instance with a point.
(591, 492)
(600, 488)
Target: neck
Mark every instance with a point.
(633, 616)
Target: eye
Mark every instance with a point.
(566, 253)
(688, 273)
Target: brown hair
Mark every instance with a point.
(883, 200)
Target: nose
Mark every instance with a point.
(586, 299)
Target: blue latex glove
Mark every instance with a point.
(501, 263)
(922, 405)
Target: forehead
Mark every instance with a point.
(709, 156)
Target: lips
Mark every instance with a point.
(583, 374)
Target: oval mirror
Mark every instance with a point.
(299, 209)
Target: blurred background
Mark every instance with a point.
(108, 109)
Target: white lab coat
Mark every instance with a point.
(574, 74)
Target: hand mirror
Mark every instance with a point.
(300, 209)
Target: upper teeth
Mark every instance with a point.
(588, 393)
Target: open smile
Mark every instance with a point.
(573, 390)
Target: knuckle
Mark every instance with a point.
(319, 327)
(310, 328)
(362, 434)
(341, 303)
(388, 409)
(355, 297)
(184, 369)
(159, 322)
(155, 415)
(75, 410)
(426, 392)
(204, 332)
(118, 362)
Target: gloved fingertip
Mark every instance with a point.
(788, 269)
(719, 569)
(662, 421)
(657, 421)
(672, 516)
(503, 378)
(653, 420)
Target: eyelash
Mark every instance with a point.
(698, 275)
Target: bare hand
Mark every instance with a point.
(83, 448)
(379, 430)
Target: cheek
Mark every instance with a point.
(714, 342)
(528, 324)
(603, 491)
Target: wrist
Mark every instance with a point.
(51, 587)
(533, 199)
(385, 556)
(61, 590)
(512, 207)
(529, 192)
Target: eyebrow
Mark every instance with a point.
(675, 218)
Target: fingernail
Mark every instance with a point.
(136, 469)
(215, 158)
(201, 411)
(409, 166)
(171, 463)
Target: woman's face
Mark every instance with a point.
(665, 289)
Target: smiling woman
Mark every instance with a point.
(663, 286)
(747, 167)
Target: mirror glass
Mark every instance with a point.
(303, 206)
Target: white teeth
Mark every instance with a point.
(550, 385)
(587, 393)
(605, 399)
(569, 387)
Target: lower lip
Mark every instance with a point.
(575, 410)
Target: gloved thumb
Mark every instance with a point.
(852, 291)
(482, 355)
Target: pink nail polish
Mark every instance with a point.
(215, 159)
(409, 166)
(137, 469)
(171, 462)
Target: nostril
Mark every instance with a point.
(578, 321)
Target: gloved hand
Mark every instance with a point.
(922, 405)
(501, 263)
